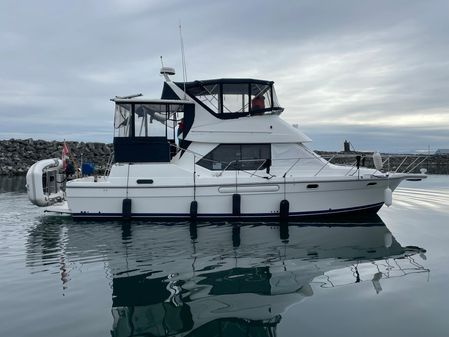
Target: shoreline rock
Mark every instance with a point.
(17, 155)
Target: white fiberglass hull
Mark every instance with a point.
(258, 200)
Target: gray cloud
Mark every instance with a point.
(384, 139)
(372, 71)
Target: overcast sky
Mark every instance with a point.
(373, 72)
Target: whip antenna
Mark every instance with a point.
(183, 59)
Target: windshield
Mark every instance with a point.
(237, 97)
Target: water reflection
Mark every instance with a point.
(218, 279)
(12, 184)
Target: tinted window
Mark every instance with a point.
(237, 157)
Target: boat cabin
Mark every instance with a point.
(230, 98)
(148, 130)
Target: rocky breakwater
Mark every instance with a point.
(17, 155)
(411, 163)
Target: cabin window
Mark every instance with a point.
(237, 157)
(235, 98)
(147, 119)
(260, 98)
(122, 120)
(145, 115)
(148, 131)
(209, 96)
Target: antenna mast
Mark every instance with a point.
(184, 67)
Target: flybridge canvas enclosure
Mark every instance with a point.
(136, 119)
(233, 98)
(144, 130)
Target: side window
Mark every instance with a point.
(122, 120)
(237, 157)
(254, 156)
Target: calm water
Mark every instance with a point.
(385, 275)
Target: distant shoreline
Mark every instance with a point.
(17, 155)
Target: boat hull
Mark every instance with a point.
(355, 211)
(216, 202)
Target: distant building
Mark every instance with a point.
(442, 151)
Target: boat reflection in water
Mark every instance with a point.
(229, 279)
(12, 184)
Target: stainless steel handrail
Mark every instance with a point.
(325, 164)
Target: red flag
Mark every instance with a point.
(64, 155)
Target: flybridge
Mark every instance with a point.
(232, 97)
(138, 139)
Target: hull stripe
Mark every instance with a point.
(185, 216)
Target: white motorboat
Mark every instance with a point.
(213, 149)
